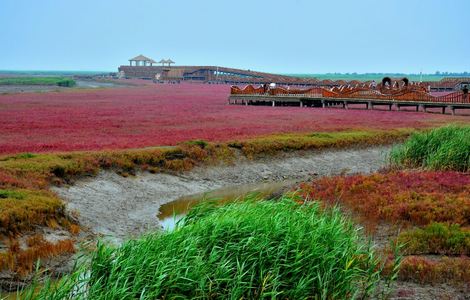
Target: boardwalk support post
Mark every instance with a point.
(421, 107)
(273, 103)
(443, 110)
(452, 109)
(345, 105)
(323, 105)
(301, 103)
(369, 105)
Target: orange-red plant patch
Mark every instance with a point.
(409, 197)
(425, 270)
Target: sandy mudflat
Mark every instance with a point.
(122, 207)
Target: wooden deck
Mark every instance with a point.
(320, 101)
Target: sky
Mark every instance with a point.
(295, 36)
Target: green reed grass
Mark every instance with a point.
(445, 148)
(243, 250)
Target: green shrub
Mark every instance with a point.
(437, 238)
(67, 82)
(243, 250)
(445, 148)
(4, 194)
(200, 143)
(25, 155)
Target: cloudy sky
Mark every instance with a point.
(276, 36)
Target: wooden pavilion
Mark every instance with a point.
(141, 60)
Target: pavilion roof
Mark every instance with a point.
(166, 61)
(143, 58)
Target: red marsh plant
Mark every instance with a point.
(449, 270)
(157, 115)
(22, 261)
(408, 197)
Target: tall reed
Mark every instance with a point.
(243, 250)
(445, 148)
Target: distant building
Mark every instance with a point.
(146, 68)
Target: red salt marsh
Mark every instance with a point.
(161, 114)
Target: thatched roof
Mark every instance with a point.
(143, 58)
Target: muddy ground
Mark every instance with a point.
(119, 207)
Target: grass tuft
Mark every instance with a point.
(445, 148)
(243, 250)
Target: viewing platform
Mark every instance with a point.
(393, 98)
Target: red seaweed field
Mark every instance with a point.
(153, 115)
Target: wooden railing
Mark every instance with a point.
(414, 93)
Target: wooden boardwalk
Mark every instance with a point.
(308, 100)
(392, 95)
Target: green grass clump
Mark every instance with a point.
(243, 250)
(59, 81)
(437, 238)
(4, 194)
(445, 148)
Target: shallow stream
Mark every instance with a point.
(170, 213)
(118, 208)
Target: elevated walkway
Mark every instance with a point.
(370, 98)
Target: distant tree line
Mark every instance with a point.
(463, 74)
(59, 81)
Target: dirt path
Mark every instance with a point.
(119, 208)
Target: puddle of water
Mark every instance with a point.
(169, 223)
(13, 295)
(171, 212)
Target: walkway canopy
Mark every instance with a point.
(141, 60)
